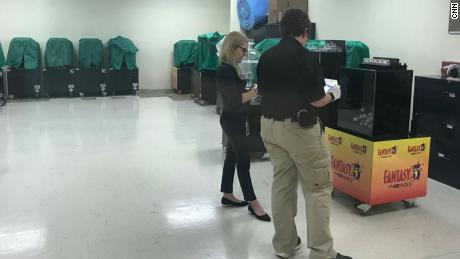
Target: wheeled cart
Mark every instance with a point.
(181, 80)
(379, 172)
(204, 91)
(58, 82)
(123, 81)
(2, 89)
(23, 83)
(91, 81)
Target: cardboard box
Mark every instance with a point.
(279, 7)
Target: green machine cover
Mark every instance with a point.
(206, 51)
(185, 53)
(120, 49)
(266, 44)
(90, 53)
(58, 52)
(23, 52)
(314, 44)
(2, 57)
(356, 50)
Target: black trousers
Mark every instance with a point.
(237, 156)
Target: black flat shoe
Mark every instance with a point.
(228, 202)
(264, 217)
(340, 256)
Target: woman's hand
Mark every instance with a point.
(246, 97)
(253, 92)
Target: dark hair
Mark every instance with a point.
(294, 23)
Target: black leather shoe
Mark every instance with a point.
(264, 217)
(340, 256)
(228, 202)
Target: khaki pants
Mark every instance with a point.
(299, 155)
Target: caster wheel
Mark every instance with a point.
(409, 203)
(363, 208)
(265, 157)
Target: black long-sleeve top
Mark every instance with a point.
(231, 88)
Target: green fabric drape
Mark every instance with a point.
(122, 49)
(90, 53)
(23, 53)
(2, 56)
(206, 52)
(58, 52)
(185, 53)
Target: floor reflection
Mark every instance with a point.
(18, 240)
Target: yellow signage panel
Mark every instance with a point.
(400, 169)
(351, 163)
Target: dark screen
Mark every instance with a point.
(356, 107)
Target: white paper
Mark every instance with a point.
(330, 83)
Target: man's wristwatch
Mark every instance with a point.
(332, 96)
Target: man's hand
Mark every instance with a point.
(335, 91)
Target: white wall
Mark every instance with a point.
(413, 30)
(416, 31)
(153, 25)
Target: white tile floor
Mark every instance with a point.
(139, 178)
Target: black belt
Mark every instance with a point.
(292, 119)
(281, 118)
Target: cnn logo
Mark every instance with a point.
(454, 11)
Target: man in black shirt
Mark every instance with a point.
(292, 86)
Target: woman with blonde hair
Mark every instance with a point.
(233, 121)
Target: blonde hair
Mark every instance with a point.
(231, 43)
